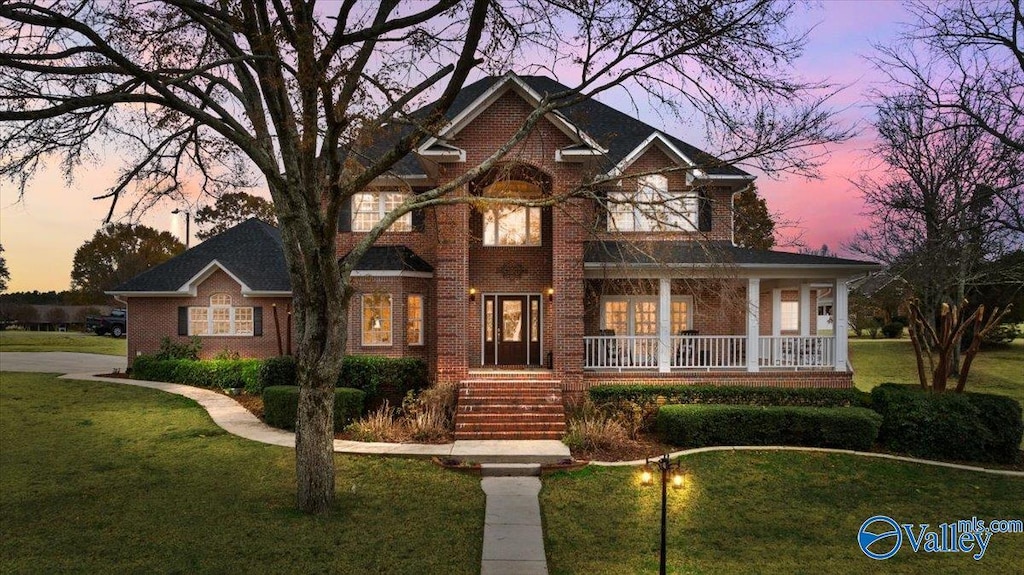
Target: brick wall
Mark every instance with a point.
(150, 319)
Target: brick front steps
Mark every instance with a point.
(510, 409)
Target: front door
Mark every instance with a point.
(512, 330)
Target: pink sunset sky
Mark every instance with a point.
(41, 231)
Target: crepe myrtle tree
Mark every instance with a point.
(224, 94)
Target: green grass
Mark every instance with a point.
(101, 478)
(770, 512)
(62, 341)
(875, 361)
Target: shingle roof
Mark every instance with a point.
(252, 251)
(392, 258)
(702, 254)
(615, 130)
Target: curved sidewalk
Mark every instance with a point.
(235, 419)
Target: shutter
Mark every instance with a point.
(601, 223)
(704, 212)
(257, 321)
(182, 320)
(419, 220)
(345, 215)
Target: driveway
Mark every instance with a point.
(60, 362)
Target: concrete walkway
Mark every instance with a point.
(513, 533)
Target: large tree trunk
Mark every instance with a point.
(321, 296)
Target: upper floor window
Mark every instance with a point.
(652, 208)
(369, 208)
(220, 318)
(512, 226)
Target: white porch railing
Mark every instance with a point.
(796, 351)
(621, 352)
(709, 351)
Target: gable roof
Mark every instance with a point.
(253, 255)
(251, 252)
(704, 254)
(619, 133)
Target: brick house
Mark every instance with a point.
(610, 288)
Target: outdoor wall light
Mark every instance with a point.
(670, 472)
(551, 294)
(472, 294)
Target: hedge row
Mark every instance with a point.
(212, 373)
(702, 425)
(281, 406)
(380, 377)
(730, 395)
(959, 426)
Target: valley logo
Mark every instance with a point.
(881, 537)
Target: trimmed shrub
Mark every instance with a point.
(383, 378)
(959, 426)
(281, 406)
(276, 371)
(380, 377)
(212, 373)
(731, 395)
(892, 330)
(702, 425)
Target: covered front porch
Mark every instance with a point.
(682, 318)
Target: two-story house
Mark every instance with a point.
(614, 286)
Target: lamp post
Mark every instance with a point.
(669, 471)
(188, 218)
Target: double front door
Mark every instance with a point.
(512, 330)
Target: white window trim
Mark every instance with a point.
(630, 310)
(686, 220)
(405, 221)
(391, 322)
(231, 318)
(530, 210)
(423, 319)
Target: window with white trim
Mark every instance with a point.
(652, 208)
(220, 318)
(638, 315)
(369, 208)
(512, 226)
(789, 316)
(414, 319)
(376, 320)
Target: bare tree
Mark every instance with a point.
(296, 93)
(965, 56)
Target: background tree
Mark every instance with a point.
(5, 274)
(117, 253)
(753, 225)
(964, 57)
(298, 93)
(230, 209)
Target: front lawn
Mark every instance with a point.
(100, 478)
(770, 512)
(62, 341)
(996, 370)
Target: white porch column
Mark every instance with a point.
(753, 323)
(805, 309)
(664, 325)
(840, 310)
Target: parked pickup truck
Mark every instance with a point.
(114, 324)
